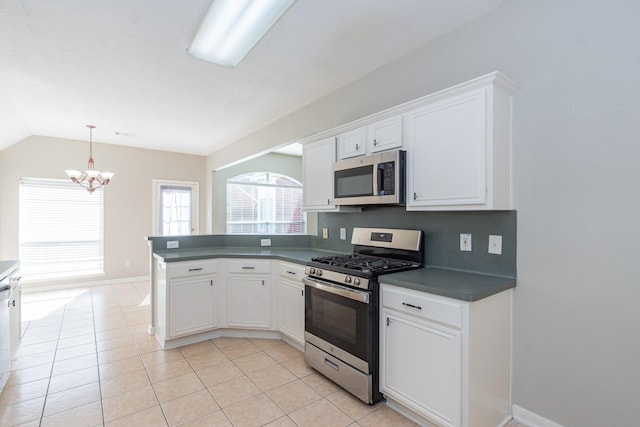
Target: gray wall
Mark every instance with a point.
(441, 235)
(575, 160)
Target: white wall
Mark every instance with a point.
(576, 176)
(127, 199)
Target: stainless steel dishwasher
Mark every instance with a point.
(5, 332)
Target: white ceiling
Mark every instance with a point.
(122, 66)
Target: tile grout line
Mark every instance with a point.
(44, 403)
(95, 340)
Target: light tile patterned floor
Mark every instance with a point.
(86, 360)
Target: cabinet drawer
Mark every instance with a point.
(422, 305)
(249, 266)
(291, 271)
(191, 268)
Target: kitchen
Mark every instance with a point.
(573, 161)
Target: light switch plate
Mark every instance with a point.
(343, 233)
(325, 233)
(495, 244)
(465, 242)
(173, 244)
(265, 242)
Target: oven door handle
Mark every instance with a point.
(337, 290)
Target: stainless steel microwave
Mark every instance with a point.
(377, 179)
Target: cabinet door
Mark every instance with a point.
(317, 160)
(421, 367)
(249, 301)
(447, 146)
(385, 134)
(192, 305)
(352, 144)
(291, 309)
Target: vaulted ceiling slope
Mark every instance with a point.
(122, 66)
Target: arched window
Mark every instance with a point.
(264, 203)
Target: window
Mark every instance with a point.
(264, 203)
(175, 207)
(61, 232)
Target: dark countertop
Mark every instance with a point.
(296, 255)
(7, 267)
(461, 285)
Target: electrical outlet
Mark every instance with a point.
(127, 263)
(495, 244)
(173, 244)
(343, 233)
(325, 233)
(265, 242)
(465, 242)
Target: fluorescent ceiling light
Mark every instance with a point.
(232, 28)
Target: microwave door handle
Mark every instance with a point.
(379, 190)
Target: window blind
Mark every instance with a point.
(264, 203)
(61, 232)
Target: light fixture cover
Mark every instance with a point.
(232, 28)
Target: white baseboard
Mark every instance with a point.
(532, 419)
(29, 288)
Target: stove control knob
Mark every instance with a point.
(347, 279)
(356, 281)
(318, 272)
(312, 270)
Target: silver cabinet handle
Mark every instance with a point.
(412, 306)
(291, 272)
(357, 147)
(248, 267)
(195, 269)
(415, 196)
(375, 142)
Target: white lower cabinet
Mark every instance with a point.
(185, 298)
(249, 294)
(291, 301)
(193, 305)
(446, 362)
(422, 366)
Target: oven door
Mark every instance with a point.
(341, 316)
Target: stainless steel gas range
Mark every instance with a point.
(341, 306)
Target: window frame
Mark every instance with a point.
(299, 186)
(195, 203)
(63, 210)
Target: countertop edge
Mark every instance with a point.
(8, 267)
(460, 285)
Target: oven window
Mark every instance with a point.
(341, 321)
(332, 316)
(354, 182)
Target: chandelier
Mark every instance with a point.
(91, 178)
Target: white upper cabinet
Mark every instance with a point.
(352, 144)
(378, 136)
(317, 169)
(385, 135)
(459, 148)
(458, 144)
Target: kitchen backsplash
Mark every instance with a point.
(441, 230)
(442, 235)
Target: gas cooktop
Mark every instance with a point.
(365, 263)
